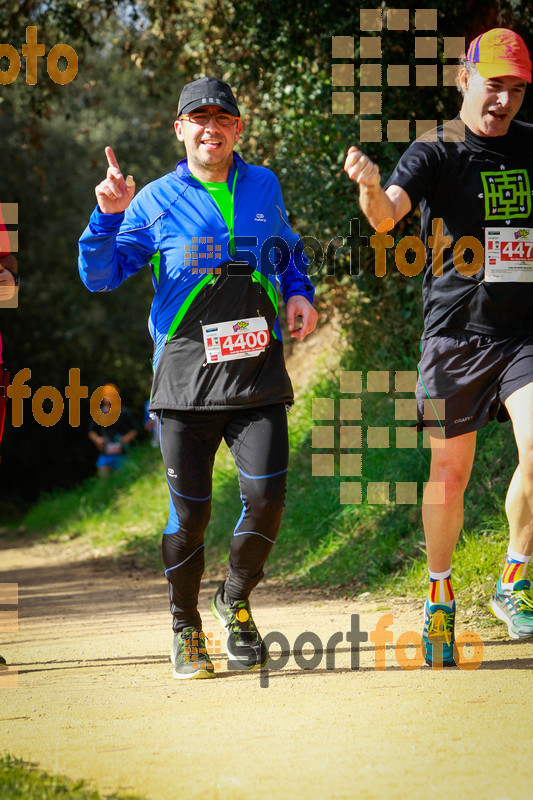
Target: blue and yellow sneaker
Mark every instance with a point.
(439, 634)
(515, 608)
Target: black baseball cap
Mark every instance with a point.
(207, 92)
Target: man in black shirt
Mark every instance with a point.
(473, 181)
(112, 441)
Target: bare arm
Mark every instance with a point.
(377, 204)
(128, 437)
(97, 440)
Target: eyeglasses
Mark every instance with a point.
(202, 118)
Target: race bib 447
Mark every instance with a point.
(509, 255)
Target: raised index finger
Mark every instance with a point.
(111, 159)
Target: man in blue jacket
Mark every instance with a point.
(216, 235)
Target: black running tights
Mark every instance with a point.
(258, 440)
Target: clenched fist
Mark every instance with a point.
(114, 194)
(361, 169)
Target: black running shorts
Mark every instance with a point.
(465, 379)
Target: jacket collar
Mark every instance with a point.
(183, 173)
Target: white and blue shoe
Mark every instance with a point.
(515, 608)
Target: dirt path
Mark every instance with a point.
(96, 699)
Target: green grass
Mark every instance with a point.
(344, 548)
(22, 781)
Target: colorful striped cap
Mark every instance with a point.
(500, 52)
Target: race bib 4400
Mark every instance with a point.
(239, 338)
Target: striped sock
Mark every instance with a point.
(440, 588)
(515, 569)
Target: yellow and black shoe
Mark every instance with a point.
(189, 655)
(245, 648)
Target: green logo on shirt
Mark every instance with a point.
(507, 194)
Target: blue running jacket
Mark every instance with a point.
(201, 279)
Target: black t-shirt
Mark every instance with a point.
(470, 185)
(113, 433)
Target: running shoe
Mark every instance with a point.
(439, 634)
(189, 655)
(515, 608)
(245, 648)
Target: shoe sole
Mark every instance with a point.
(199, 674)
(232, 658)
(501, 615)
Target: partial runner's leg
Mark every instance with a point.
(519, 501)
(512, 601)
(189, 441)
(258, 439)
(442, 506)
(442, 513)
